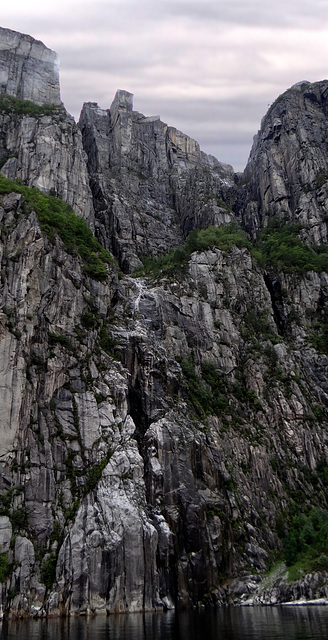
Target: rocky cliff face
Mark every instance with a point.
(287, 172)
(40, 143)
(157, 431)
(28, 70)
(150, 183)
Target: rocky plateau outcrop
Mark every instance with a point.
(157, 429)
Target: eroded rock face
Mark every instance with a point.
(28, 69)
(286, 176)
(125, 495)
(155, 433)
(45, 151)
(43, 148)
(151, 184)
(6, 531)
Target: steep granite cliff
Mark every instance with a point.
(40, 143)
(151, 184)
(159, 429)
(287, 172)
(28, 70)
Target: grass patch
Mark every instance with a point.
(95, 473)
(10, 104)
(322, 471)
(64, 341)
(56, 218)
(321, 178)
(89, 320)
(278, 247)
(6, 502)
(108, 343)
(48, 571)
(223, 238)
(318, 332)
(19, 519)
(255, 324)
(4, 567)
(318, 337)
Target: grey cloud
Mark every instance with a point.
(234, 154)
(238, 12)
(133, 17)
(252, 12)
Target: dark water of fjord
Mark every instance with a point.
(251, 623)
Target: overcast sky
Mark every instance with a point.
(210, 68)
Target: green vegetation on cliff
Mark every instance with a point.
(11, 104)
(4, 568)
(278, 247)
(58, 219)
(223, 238)
(208, 392)
(319, 336)
(306, 546)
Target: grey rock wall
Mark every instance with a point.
(151, 184)
(155, 433)
(111, 474)
(45, 151)
(28, 69)
(286, 176)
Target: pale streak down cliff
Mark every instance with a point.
(119, 491)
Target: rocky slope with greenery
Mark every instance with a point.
(163, 361)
